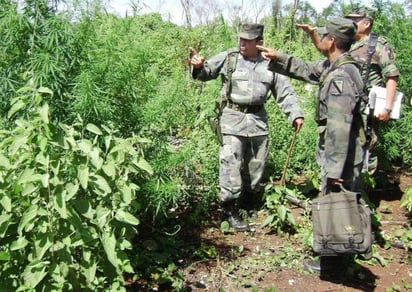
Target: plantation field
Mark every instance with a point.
(263, 261)
(109, 172)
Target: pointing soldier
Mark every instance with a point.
(341, 137)
(244, 122)
(378, 68)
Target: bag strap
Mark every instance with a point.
(231, 62)
(344, 60)
(373, 40)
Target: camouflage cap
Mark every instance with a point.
(362, 12)
(251, 31)
(339, 27)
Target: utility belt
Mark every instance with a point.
(244, 108)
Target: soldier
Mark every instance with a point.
(378, 69)
(341, 136)
(244, 123)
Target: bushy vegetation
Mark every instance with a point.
(104, 133)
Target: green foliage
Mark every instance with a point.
(70, 192)
(394, 142)
(406, 201)
(281, 134)
(157, 255)
(40, 45)
(67, 201)
(280, 217)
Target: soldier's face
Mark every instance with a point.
(363, 24)
(325, 43)
(248, 47)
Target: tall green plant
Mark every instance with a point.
(67, 201)
(38, 40)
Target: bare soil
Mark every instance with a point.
(262, 261)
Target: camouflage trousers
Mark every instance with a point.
(242, 161)
(351, 175)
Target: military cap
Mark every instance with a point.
(362, 12)
(251, 31)
(339, 27)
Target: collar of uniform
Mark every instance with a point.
(360, 43)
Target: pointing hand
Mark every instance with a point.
(268, 53)
(196, 60)
(306, 28)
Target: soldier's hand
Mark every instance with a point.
(383, 116)
(334, 181)
(297, 124)
(268, 53)
(196, 60)
(307, 28)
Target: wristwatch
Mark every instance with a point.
(388, 110)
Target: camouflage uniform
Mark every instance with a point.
(340, 149)
(244, 121)
(382, 62)
(382, 67)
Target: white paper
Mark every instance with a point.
(380, 103)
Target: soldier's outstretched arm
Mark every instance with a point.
(312, 32)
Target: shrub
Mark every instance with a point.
(67, 201)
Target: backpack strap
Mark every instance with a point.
(344, 60)
(373, 40)
(221, 102)
(360, 123)
(231, 62)
(341, 61)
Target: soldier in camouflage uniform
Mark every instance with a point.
(341, 143)
(382, 69)
(341, 99)
(244, 122)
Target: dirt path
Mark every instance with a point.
(262, 261)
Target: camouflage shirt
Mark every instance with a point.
(338, 109)
(382, 61)
(251, 84)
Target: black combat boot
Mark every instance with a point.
(325, 264)
(231, 215)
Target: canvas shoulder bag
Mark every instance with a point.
(341, 224)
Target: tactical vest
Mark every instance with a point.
(347, 59)
(231, 62)
(364, 55)
(359, 119)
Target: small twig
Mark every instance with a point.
(221, 272)
(387, 222)
(292, 142)
(399, 244)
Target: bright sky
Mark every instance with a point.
(173, 8)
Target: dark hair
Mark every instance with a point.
(342, 44)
